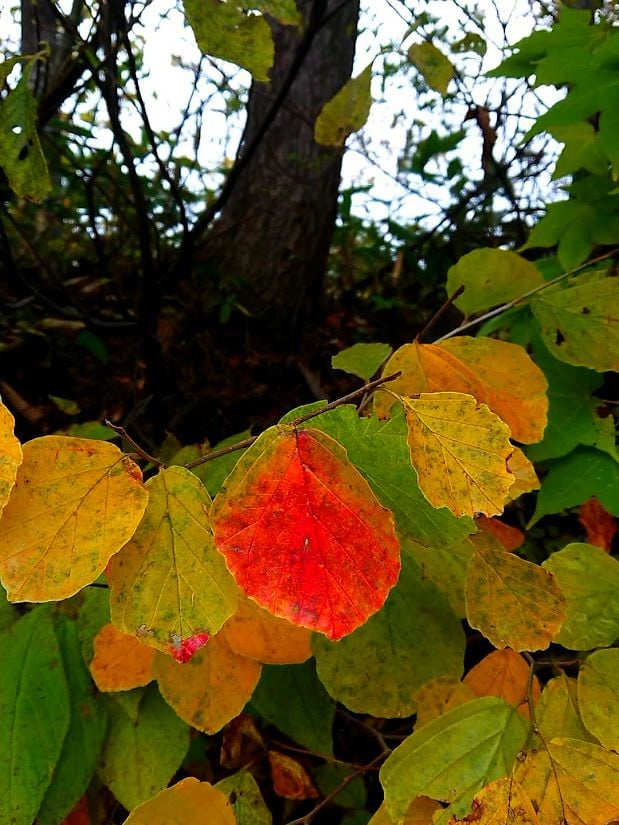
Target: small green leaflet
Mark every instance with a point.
(362, 360)
(436, 69)
(346, 112)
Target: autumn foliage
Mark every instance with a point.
(345, 558)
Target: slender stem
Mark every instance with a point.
(139, 450)
(510, 304)
(439, 312)
(240, 445)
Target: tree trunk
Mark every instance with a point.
(269, 247)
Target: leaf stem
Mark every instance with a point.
(439, 312)
(515, 301)
(139, 450)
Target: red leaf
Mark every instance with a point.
(599, 524)
(183, 649)
(304, 535)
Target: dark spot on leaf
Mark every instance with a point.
(23, 154)
(585, 311)
(559, 337)
(233, 797)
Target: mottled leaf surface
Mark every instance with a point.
(245, 798)
(188, 801)
(346, 112)
(598, 696)
(10, 455)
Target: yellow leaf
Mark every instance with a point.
(211, 688)
(433, 65)
(505, 674)
(502, 801)
(170, 583)
(557, 712)
(420, 812)
(189, 801)
(524, 474)
(438, 696)
(573, 783)
(257, 634)
(120, 662)
(513, 602)
(10, 455)
(459, 450)
(76, 502)
(346, 112)
(496, 373)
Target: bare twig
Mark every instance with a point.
(440, 311)
(139, 450)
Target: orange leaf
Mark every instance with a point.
(510, 537)
(459, 450)
(10, 455)
(290, 779)
(304, 535)
(75, 503)
(211, 688)
(505, 674)
(500, 802)
(438, 696)
(496, 373)
(258, 634)
(187, 801)
(599, 524)
(120, 662)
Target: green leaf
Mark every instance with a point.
(246, 800)
(140, 758)
(380, 451)
(436, 69)
(292, 698)
(414, 638)
(21, 155)
(346, 112)
(362, 360)
(454, 756)
(330, 776)
(93, 613)
(589, 577)
(598, 696)
(582, 150)
(284, 11)
(580, 320)
(575, 478)
(8, 612)
(223, 30)
(490, 277)
(446, 566)
(84, 739)
(35, 714)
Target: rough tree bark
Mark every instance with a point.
(270, 244)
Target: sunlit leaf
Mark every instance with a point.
(481, 367)
(598, 696)
(414, 638)
(437, 760)
(513, 602)
(293, 699)
(346, 112)
(459, 450)
(120, 661)
(557, 712)
(75, 503)
(589, 577)
(303, 534)
(140, 757)
(362, 360)
(505, 674)
(580, 321)
(525, 477)
(490, 277)
(35, 714)
(169, 583)
(224, 30)
(210, 689)
(188, 801)
(258, 634)
(436, 69)
(501, 801)
(247, 803)
(10, 455)
(438, 696)
(290, 779)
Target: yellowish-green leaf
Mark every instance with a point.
(436, 69)
(446, 565)
(580, 321)
(557, 712)
(189, 801)
(169, 582)
(284, 11)
(490, 277)
(459, 450)
(10, 455)
(589, 577)
(598, 696)
(346, 112)
(211, 688)
(454, 756)
(224, 30)
(248, 805)
(513, 602)
(362, 360)
(502, 801)
(75, 503)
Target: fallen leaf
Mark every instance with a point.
(121, 662)
(75, 503)
(290, 779)
(303, 534)
(504, 673)
(459, 450)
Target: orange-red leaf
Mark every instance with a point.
(504, 673)
(290, 779)
(599, 524)
(121, 661)
(304, 535)
(510, 537)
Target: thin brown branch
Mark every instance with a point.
(440, 311)
(139, 450)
